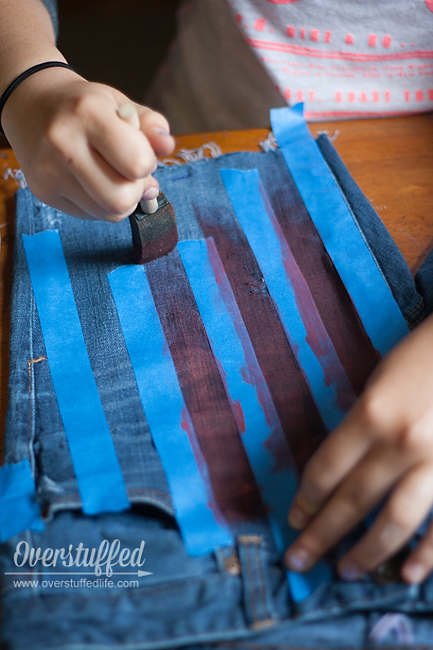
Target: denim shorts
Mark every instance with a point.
(236, 597)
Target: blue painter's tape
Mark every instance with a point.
(302, 585)
(94, 458)
(202, 525)
(360, 273)
(304, 328)
(19, 509)
(248, 394)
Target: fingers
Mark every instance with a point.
(376, 419)
(121, 148)
(157, 130)
(354, 498)
(125, 149)
(115, 196)
(130, 146)
(334, 459)
(107, 161)
(346, 484)
(104, 162)
(91, 187)
(420, 563)
(402, 514)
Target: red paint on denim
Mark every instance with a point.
(317, 336)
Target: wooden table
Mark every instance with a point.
(390, 159)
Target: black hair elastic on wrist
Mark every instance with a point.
(16, 82)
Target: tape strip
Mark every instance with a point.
(19, 509)
(367, 287)
(304, 328)
(203, 527)
(96, 466)
(246, 389)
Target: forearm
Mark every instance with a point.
(26, 38)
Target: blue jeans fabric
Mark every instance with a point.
(234, 598)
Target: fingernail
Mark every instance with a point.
(350, 572)
(413, 573)
(163, 132)
(297, 518)
(151, 193)
(298, 560)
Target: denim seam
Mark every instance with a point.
(30, 387)
(421, 300)
(259, 550)
(31, 393)
(419, 319)
(421, 304)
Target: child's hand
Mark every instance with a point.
(383, 450)
(76, 153)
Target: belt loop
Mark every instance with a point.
(258, 603)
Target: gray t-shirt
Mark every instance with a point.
(51, 5)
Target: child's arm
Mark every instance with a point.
(383, 450)
(75, 152)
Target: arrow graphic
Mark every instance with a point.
(140, 574)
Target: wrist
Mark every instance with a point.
(25, 75)
(33, 99)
